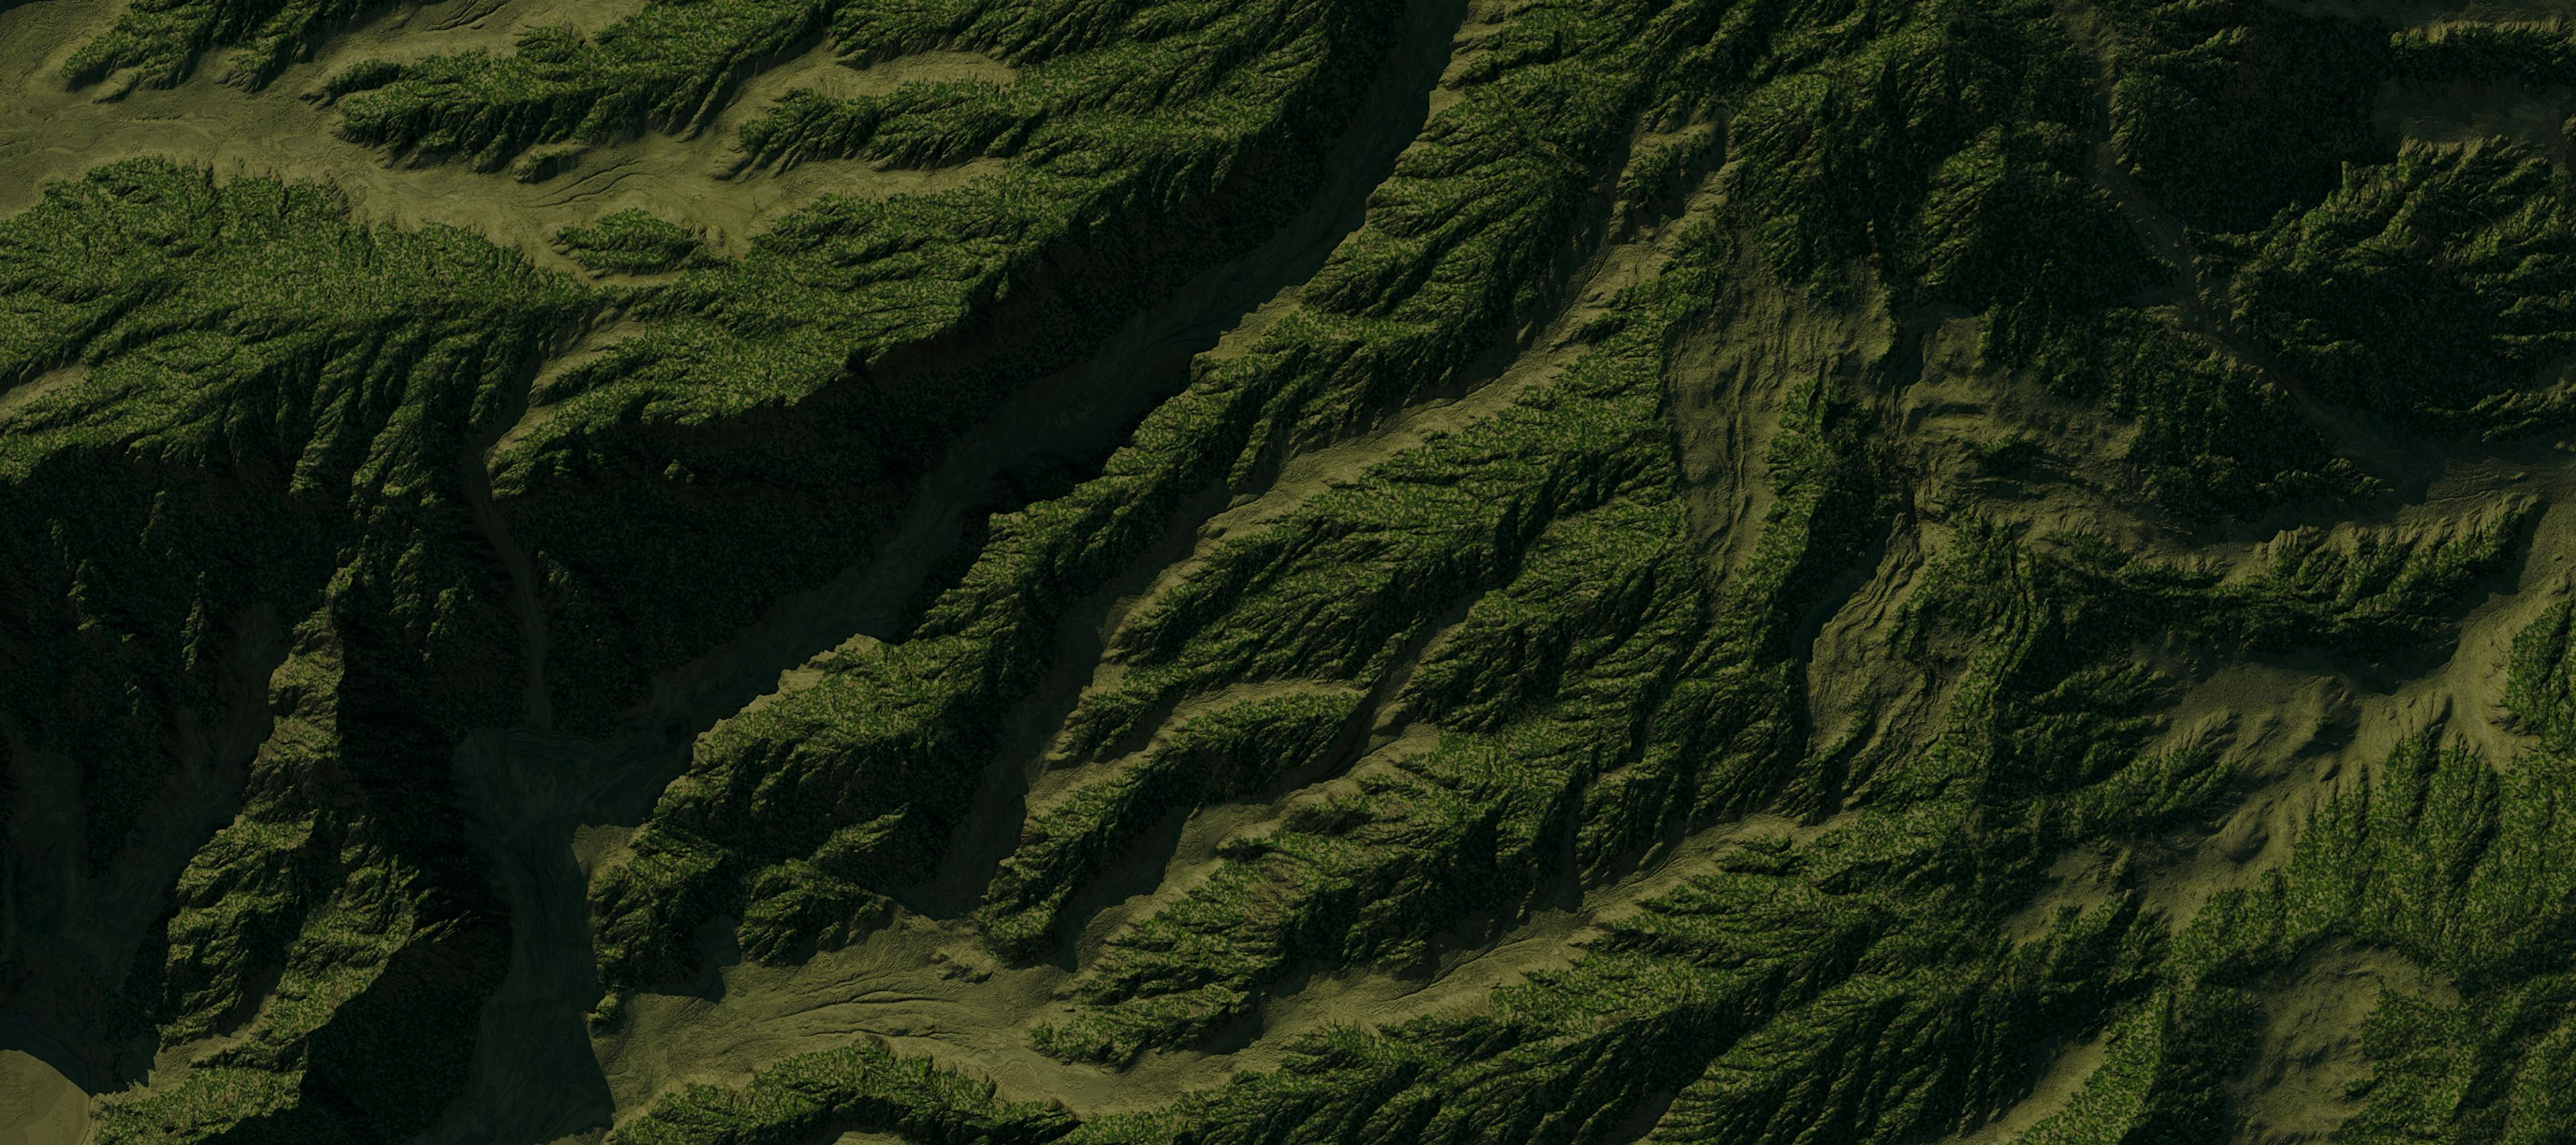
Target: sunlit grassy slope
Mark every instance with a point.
(1731, 571)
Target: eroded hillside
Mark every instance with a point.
(1213, 571)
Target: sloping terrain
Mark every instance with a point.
(1761, 572)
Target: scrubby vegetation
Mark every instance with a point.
(668, 66)
(233, 443)
(2447, 271)
(2230, 110)
(162, 40)
(2440, 860)
(1799, 518)
(862, 1088)
(775, 785)
(1235, 751)
(1376, 875)
(634, 242)
(862, 334)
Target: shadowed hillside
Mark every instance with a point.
(1760, 572)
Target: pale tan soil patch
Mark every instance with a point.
(2067, 1069)
(2081, 879)
(39, 1106)
(1730, 383)
(598, 846)
(1942, 402)
(2298, 1087)
(826, 74)
(1961, 402)
(2303, 727)
(924, 987)
(51, 381)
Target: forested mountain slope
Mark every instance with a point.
(1760, 572)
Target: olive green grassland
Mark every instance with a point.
(1886, 572)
